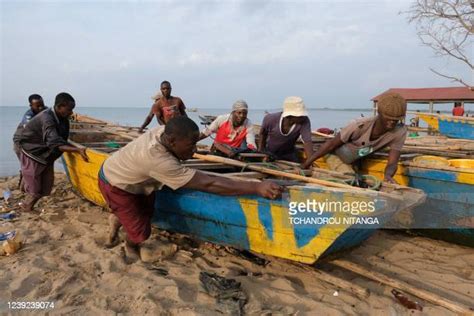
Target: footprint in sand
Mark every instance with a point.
(297, 284)
(27, 285)
(44, 289)
(187, 292)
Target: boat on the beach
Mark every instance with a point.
(272, 227)
(451, 126)
(448, 212)
(444, 169)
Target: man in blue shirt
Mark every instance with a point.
(36, 106)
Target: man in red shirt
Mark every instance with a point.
(165, 107)
(458, 109)
(233, 131)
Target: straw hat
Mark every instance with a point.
(294, 106)
(392, 105)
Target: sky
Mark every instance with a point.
(115, 53)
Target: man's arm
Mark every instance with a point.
(262, 139)
(392, 165)
(182, 108)
(73, 149)
(307, 139)
(227, 150)
(225, 186)
(308, 149)
(250, 137)
(53, 140)
(147, 121)
(328, 147)
(202, 135)
(212, 128)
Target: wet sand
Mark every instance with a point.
(63, 260)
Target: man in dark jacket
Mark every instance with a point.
(42, 141)
(36, 107)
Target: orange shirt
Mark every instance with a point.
(458, 111)
(227, 134)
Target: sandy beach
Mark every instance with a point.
(63, 260)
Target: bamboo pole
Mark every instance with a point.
(403, 286)
(410, 146)
(273, 172)
(322, 134)
(437, 153)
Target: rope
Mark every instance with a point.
(353, 181)
(244, 167)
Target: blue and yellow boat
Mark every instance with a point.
(451, 126)
(448, 212)
(281, 228)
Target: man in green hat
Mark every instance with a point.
(367, 135)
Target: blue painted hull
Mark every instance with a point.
(456, 128)
(265, 229)
(448, 212)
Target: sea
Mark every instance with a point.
(11, 116)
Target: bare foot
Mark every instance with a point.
(114, 226)
(28, 204)
(132, 252)
(27, 208)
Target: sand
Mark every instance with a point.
(63, 260)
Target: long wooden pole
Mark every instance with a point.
(425, 295)
(322, 134)
(273, 172)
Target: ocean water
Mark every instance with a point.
(11, 116)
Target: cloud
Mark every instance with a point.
(258, 50)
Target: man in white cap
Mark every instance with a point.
(234, 131)
(367, 135)
(281, 130)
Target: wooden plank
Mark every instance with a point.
(335, 281)
(403, 286)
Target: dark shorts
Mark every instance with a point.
(134, 211)
(38, 178)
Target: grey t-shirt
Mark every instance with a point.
(357, 143)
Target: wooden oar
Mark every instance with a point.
(273, 172)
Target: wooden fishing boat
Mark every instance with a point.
(248, 222)
(451, 126)
(448, 212)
